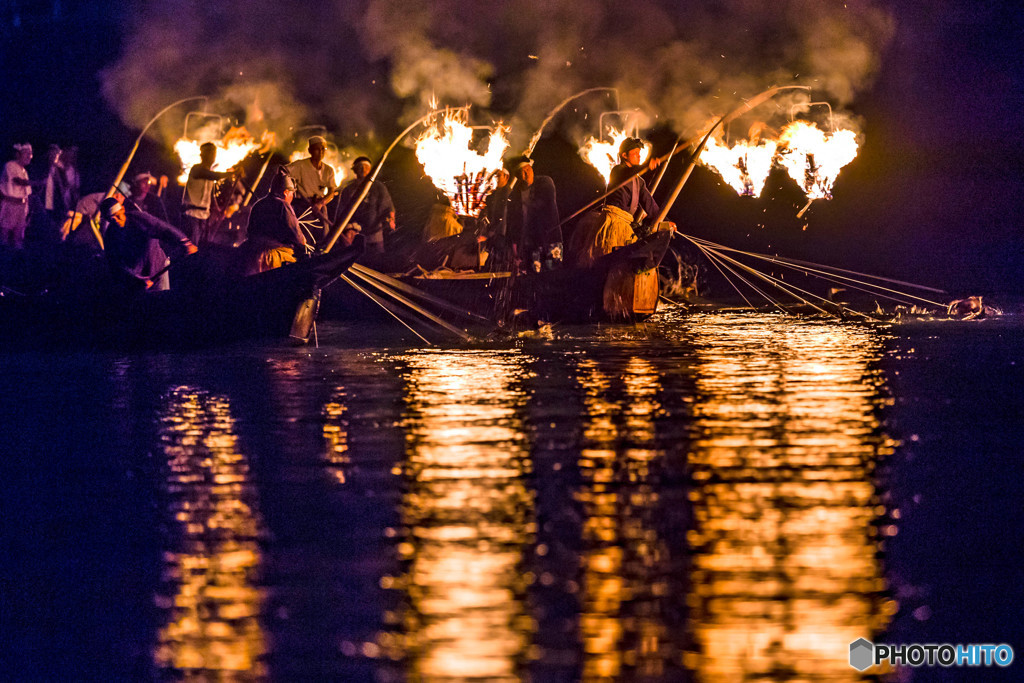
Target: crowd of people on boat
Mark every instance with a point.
(132, 226)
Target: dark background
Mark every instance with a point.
(933, 196)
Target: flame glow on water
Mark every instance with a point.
(604, 155)
(235, 146)
(449, 158)
(809, 155)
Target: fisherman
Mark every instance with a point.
(315, 185)
(375, 215)
(55, 193)
(73, 180)
(531, 217)
(600, 233)
(494, 204)
(197, 197)
(135, 242)
(144, 199)
(274, 236)
(15, 188)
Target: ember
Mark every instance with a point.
(449, 159)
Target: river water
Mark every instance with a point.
(714, 497)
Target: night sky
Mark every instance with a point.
(933, 197)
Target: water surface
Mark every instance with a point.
(718, 497)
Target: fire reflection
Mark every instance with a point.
(784, 444)
(468, 515)
(209, 596)
(625, 561)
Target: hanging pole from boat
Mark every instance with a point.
(138, 140)
(822, 272)
(417, 308)
(383, 304)
(338, 228)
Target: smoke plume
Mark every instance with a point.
(363, 68)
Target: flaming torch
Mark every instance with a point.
(603, 155)
(235, 146)
(450, 160)
(813, 158)
(744, 166)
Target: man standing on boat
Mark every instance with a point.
(197, 198)
(601, 233)
(376, 213)
(135, 243)
(274, 236)
(531, 217)
(15, 188)
(315, 185)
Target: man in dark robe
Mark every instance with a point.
(274, 235)
(531, 217)
(135, 245)
(375, 215)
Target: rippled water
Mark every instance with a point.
(716, 498)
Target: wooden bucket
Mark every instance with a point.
(630, 294)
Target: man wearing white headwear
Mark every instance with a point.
(15, 189)
(315, 184)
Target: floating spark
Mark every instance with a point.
(449, 159)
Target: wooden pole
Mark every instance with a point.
(337, 229)
(135, 147)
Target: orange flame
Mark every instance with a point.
(605, 155)
(744, 166)
(449, 159)
(812, 158)
(235, 146)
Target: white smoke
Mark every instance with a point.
(362, 68)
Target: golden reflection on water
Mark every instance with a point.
(212, 606)
(468, 516)
(785, 439)
(620, 625)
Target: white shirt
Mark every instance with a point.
(309, 181)
(12, 170)
(198, 194)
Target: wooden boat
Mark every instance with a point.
(205, 307)
(619, 287)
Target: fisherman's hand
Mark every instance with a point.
(190, 248)
(148, 283)
(654, 163)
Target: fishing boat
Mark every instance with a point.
(620, 287)
(204, 308)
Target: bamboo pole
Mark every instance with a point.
(337, 229)
(259, 177)
(135, 147)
